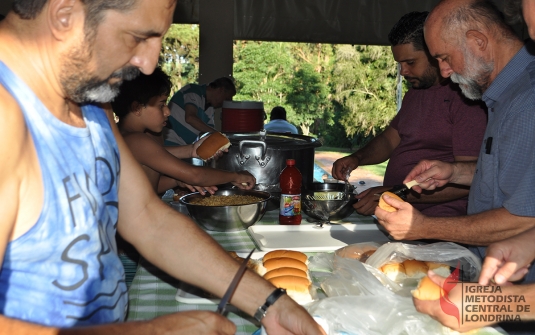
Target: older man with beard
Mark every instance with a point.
(435, 120)
(479, 51)
(59, 182)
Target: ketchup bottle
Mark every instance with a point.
(290, 204)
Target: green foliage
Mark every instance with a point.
(262, 71)
(364, 84)
(179, 57)
(341, 93)
(307, 97)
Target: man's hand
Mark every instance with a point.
(244, 180)
(343, 166)
(405, 224)
(509, 260)
(430, 175)
(368, 200)
(193, 322)
(433, 307)
(288, 318)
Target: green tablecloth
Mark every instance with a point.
(152, 292)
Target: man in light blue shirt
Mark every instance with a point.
(277, 122)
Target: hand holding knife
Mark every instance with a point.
(401, 190)
(233, 284)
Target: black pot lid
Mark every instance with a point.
(276, 141)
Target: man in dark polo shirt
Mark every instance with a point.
(435, 120)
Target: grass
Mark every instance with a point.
(378, 169)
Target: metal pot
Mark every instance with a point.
(264, 155)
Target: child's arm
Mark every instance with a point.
(156, 157)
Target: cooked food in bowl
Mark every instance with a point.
(221, 217)
(226, 200)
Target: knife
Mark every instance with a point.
(233, 284)
(401, 190)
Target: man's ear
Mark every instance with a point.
(62, 16)
(476, 40)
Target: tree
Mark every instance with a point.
(364, 85)
(307, 97)
(179, 57)
(262, 71)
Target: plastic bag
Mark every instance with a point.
(361, 300)
(358, 303)
(448, 253)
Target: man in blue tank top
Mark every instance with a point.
(68, 182)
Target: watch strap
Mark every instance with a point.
(270, 300)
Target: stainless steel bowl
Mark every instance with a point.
(327, 210)
(227, 218)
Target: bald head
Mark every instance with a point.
(471, 41)
(452, 19)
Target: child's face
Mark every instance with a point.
(155, 113)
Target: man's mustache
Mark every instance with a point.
(126, 73)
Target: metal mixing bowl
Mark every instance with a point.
(327, 210)
(227, 218)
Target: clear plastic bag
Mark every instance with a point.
(448, 253)
(361, 300)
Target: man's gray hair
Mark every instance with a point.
(29, 9)
(475, 15)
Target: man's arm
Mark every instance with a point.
(376, 151)
(175, 244)
(192, 118)
(478, 229)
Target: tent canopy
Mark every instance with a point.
(322, 21)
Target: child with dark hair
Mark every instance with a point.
(142, 110)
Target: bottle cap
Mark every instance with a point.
(290, 161)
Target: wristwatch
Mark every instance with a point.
(262, 310)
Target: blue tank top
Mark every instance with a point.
(65, 270)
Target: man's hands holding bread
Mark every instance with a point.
(399, 218)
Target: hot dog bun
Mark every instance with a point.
(384, 205)
(291, 283)
(285, 272)
(427, 290)
(362, 253)
(439, 268)
(394, 271)
(415, 269)
(298, 288)
(287, 254)
(212, 144)
(284, 262)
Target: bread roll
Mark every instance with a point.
(395, 271)
(291, 283)
(362, 253)
(286, 253)
(415, 269)
(427, 290)
(284, 262)
(212, 144)
(439, 268)
(384, 205)
(285, 272)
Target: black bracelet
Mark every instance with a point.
(262, 310)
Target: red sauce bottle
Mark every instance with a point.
(290, 203)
